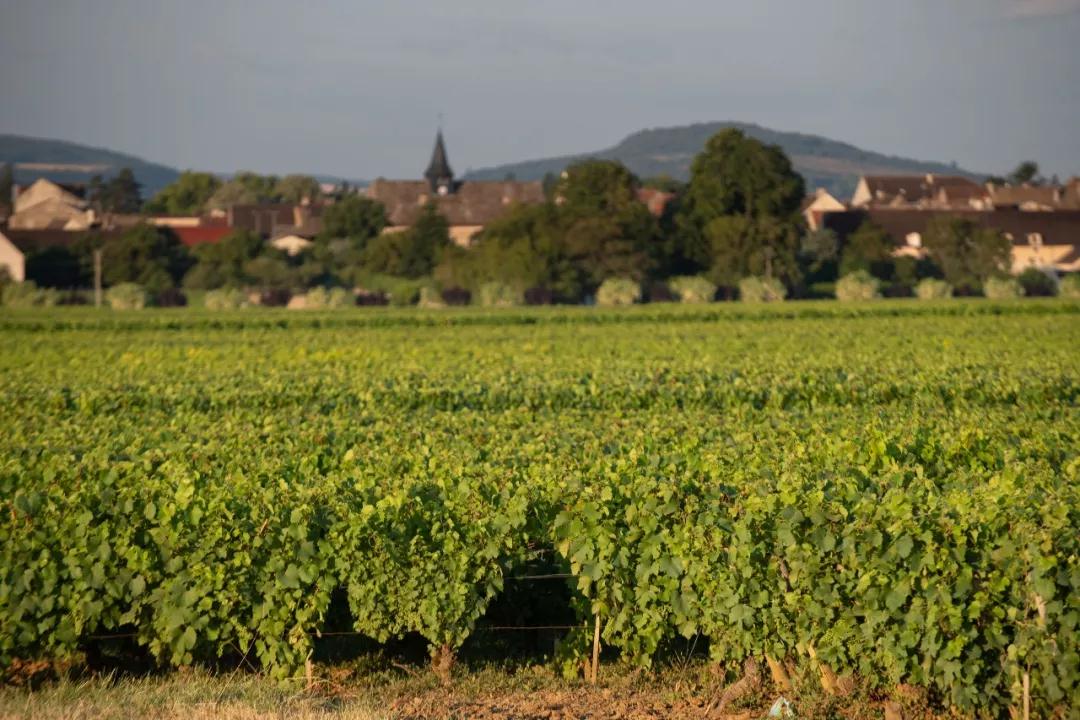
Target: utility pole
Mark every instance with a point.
(97, 277)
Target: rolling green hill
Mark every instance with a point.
(63, 161)
(826, 163)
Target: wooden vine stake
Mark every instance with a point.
(1027, 695)
(595, 670)
(309, 673)
(779, 674)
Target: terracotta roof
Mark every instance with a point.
(201, 234)
(470, 203)
(655, 200)
(1019, 195)
(914, 188)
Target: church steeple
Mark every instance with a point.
(439, 174)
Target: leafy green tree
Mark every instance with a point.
(869, 248)
(225, 263)
(820, 252)
(56, 266)
(297, 188)
(188, 195)
(356, 218)
(232, 193)
(1025, 173)
(740, 246)
(607, 231)
(739, 176)
(413, 253)
(966, 253)
(149, 256)
(120, 194)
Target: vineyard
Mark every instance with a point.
(889, 491)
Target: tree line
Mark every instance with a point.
(737, 218)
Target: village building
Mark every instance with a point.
(920, 192)
(46, 205)
(815, 207)
(467, 205)
(1043, 240)
(12, 259)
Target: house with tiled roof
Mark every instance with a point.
(46, 205)
(920, 191)
(1045, 240)
(467, 205)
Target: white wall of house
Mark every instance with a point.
(12, 259)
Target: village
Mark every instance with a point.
(417, 240)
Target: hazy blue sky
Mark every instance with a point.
(355, 88)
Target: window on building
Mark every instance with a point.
(914, 240)
(1035, 240)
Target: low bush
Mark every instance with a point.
(1038, 283)
(1005, 288)
(859, 285)
(761, 289)
(27, 294)
(693, 289)
(933, 289)
(1069, 287)
(319, 298)
(497, 294)
(225, 299)
(430, 298)
(126, 296)
(618, 291)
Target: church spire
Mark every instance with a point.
(439, 174)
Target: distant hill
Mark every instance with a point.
(825, 163)
(69, 162)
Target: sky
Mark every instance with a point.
(356, 89)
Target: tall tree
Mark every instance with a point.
(150, 256)
(1026, 172)
(739, 176)
(120, 194)
(225, 263)
(869, 248)
(187, 195)
(413, 253)
(297, 188)
(966, 252)
(354, 217)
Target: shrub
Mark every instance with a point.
(1002, 288)
(761, 289)
(225, 299)
(429, 298)
(456, 296)
(126, 296)
(618, 291)
(859, 285)
(693, 289)
(497, 294)
(1038, 283)
(933, 289)
(1069, 287)
(27, 294)
(318, 298)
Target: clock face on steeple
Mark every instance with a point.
(439, 175)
